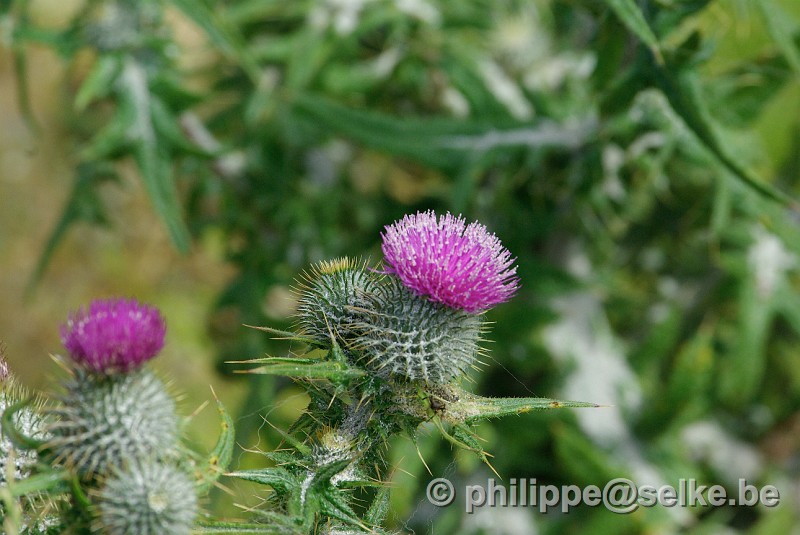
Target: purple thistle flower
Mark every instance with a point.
(462, 266)
(115, 335)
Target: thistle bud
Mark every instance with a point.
(147, 498)
(328, 295)
(404, 335)
(108, 421)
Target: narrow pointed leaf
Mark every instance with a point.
(334, 371)
(151, 156)
(277, 478)
(99, 81)
(53, 482)
(632, 17)
(13, 434)
(470, 408)
(782, 29)
(222, 528)
(379, 508)
(222, 34)
(684, 95)
(84, 204)
(222, 454)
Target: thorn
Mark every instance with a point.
(199, 409)
(419, 453)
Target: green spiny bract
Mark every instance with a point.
(403, 335)
(327, 296)
(147, 498)
(38, 513)
(28, 421)
(108, 421)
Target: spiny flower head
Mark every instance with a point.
(147, 498)
(115, 335)
(462, 266)
(328, 294)
(105, 421)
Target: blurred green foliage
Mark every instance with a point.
(639, 157)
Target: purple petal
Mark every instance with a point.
(115, 335)
(462, 266)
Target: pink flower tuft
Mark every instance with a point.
(462, 266)
(115, 335)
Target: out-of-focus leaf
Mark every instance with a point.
(84, 204)
(633, 19)
(166, 126)
(54, 481)
(686, 387)
(581, 459)
(223, 528)
(783, 30)
(741, 373)
(99, 81)
(152, 158)
(441, 143)
(222, 34)
(684, 95)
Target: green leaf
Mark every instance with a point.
(221, 528)
(682, 90)
(439, 142)
(277, 478)
(222, 34)
(305, 369)
(221, 455)
(632, 17)
(51, 481)
(99, 81)
(782, 29)
(285, 335)
(84, 204)
(379, 508)
(470, 408)
(334, 504)
(166, 126)
(10, 428)
(746, 362)
(151, 155)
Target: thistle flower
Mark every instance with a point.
(459, 265)
(115, 335)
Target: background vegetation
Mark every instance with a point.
(640, 159)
